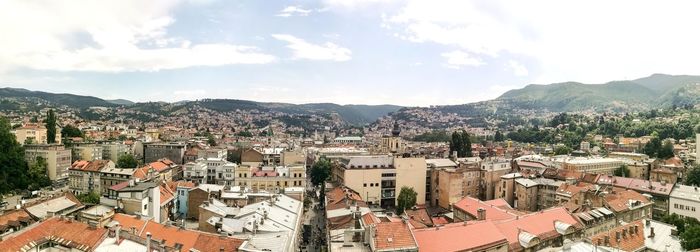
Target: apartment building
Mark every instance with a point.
(34, 134)
(269, 178)
(685, 201)
(149, 199)
(173, 151)
(590, 165)
(379, 178)
(111, 176)
(85, 176)
(112, 151)
(491, 171)
(86, 151)
(57, 157)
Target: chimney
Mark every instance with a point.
(481, 214)
(624, 233)
(221, 249)
(148, 241)
(652, 234)
(607, 240)
(117, 232)
(617, 236)
(133, 230)
(636, 229)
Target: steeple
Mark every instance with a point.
(396, 131)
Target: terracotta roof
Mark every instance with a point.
(370, 218)
(540, 224)
(161, 165)
(181, 183)
(471, 205)
(166, 194)
(473, 236)
(419, 218)
(67, 233)
(574, 189)
(188, 238)
(93, 166)
(631, 241)
(119, 186)
(619, 199)
(394, 235)
(14, 219)
(440, 220)
(640, 185)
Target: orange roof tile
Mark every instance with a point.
(14, 218)
(629, 242)
(419, 218)
(188, 238)
(68, 233)
(93, 166)
(394, 235)
(471, 205)
(166, 195)
(459, 237)
(618, 200)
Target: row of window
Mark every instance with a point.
(682, 207)
(371, 184)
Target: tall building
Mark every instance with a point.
(154, 151)
(58, 159)
(86, 151)
(112, 151)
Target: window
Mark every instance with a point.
(364, 185)
(145, 207)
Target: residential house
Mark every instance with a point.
(85, 175)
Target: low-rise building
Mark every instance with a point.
(268, 178)
(146, 199)
(175, 152)
(34, 134)
(112, 151)
(685, 201)
(86, 151)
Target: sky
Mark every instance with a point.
(412, 52)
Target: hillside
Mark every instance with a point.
(22, 99)
(573, 96)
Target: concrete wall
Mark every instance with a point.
(410, 172)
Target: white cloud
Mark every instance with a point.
(105, 36)
(354, 4)
(458, 59)
(293, 11)
(306, 50)
(517, 68)
(561, 39)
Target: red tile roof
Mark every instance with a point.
(188, 238)
(119, 186)
(629, 242)
(67, 233)
(440, 220)
(471, 205)
(619, 199)
(419, 218)
(460, 237)
(540, 224)
(14, 218)
(94, 166)
(394, 235)
(181, 183)
(166, 195)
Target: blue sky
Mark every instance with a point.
(413, 52)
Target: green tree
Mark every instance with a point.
(245, 134)
(693, 176)
(461, 143)
(562, 150)
(320, 171)
(234, 156)
(89, 198)
(666, 150)
(498, 137)
(38, 175)
(71, 131)
(211, 141)
(406, 199)
(622, 171)
(13, 169)
(50, 127)
(652, 147)
(690, 239)
(127, 161)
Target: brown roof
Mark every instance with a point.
(471, 205)
(460, 237)
(619, 199)
(94, 166)
(181, 183)
(14, 219)
(631, 241)
(166, 194)
(67, 233)
(419, 218)
(188, 238)
(394, 235)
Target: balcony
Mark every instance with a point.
(388, 194)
